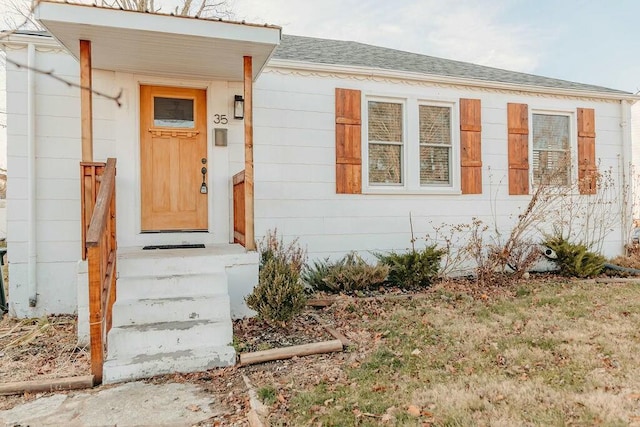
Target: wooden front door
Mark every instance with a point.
(173, 155)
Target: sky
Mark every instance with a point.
(587, 41)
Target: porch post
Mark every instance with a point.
(86, 107)
(250, 241)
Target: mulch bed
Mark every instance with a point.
(254, 334)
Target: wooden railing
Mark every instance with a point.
(99, 205)
(238, 209)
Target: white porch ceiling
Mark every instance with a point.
(163, 45)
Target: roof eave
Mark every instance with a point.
(24, 39)
(432, 78)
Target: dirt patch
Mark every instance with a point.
(41, 348)
(254, 334)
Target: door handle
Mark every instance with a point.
(203, 187)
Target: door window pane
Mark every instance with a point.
(173, 112)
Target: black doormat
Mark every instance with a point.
(188, 246)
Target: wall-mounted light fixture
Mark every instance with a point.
(238, 107)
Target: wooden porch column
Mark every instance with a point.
(86, 107)
(250, 241)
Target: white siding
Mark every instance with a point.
(635, 147)
(294, 152)
(295, 166)
(58, 153)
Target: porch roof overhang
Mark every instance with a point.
(160, 45)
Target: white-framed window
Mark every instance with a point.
(385, 137)
(436, 145)
(410, 146)
(551, 148)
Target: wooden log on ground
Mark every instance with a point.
(320, 302)
(332, 331)
(289, 352)
(47, 385)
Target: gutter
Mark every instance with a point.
(32, 286)
(432, 78)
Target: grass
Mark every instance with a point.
(550, 354)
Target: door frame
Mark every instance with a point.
(125, 124)
(204, 128)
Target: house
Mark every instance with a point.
(220, 131)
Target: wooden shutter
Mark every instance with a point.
(348, 142)
(587, 170)
(470, 146)
(518, 142)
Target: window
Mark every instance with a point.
(173, 112)
(551, 149)
(435, 145)
(385, 142)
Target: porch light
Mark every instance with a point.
(238, 107)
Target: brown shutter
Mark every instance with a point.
(587, 170)
(518, 124)
(348, 146)
(470, 146)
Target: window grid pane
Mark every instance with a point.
(385, 121)
(385, 165)
(551, 155)
(435, 145)
(434, 164)
(385, 126)
(435, 125)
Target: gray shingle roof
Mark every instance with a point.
(337, 52)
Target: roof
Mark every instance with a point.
(355, 54)
(349, 53)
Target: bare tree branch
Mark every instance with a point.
(51, 73)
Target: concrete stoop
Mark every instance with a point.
(172, 314)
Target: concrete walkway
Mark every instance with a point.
(130, 404)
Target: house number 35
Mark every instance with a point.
(220, 119)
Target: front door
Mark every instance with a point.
(173, 153)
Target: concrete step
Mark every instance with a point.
(173, 309)
(171, 286)
(167, 337)
(135, 262)
(145, 366)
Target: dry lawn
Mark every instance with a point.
(544, 354)
(40, 348)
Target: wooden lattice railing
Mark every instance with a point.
(99, 237)
(238, 209)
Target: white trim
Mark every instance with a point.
(454, 160)
(44, 40)
(368, 72)
(573, 142)
(168, 24)
(391, 187)
(32, 174)
(411, 147)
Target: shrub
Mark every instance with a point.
(279, 295)
(349, 274)
(413, 269)
(313, 276)
(575, 259)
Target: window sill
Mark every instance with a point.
(412, 192)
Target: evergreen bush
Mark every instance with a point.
(413, 269)
(350, 274)
(575, 259)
